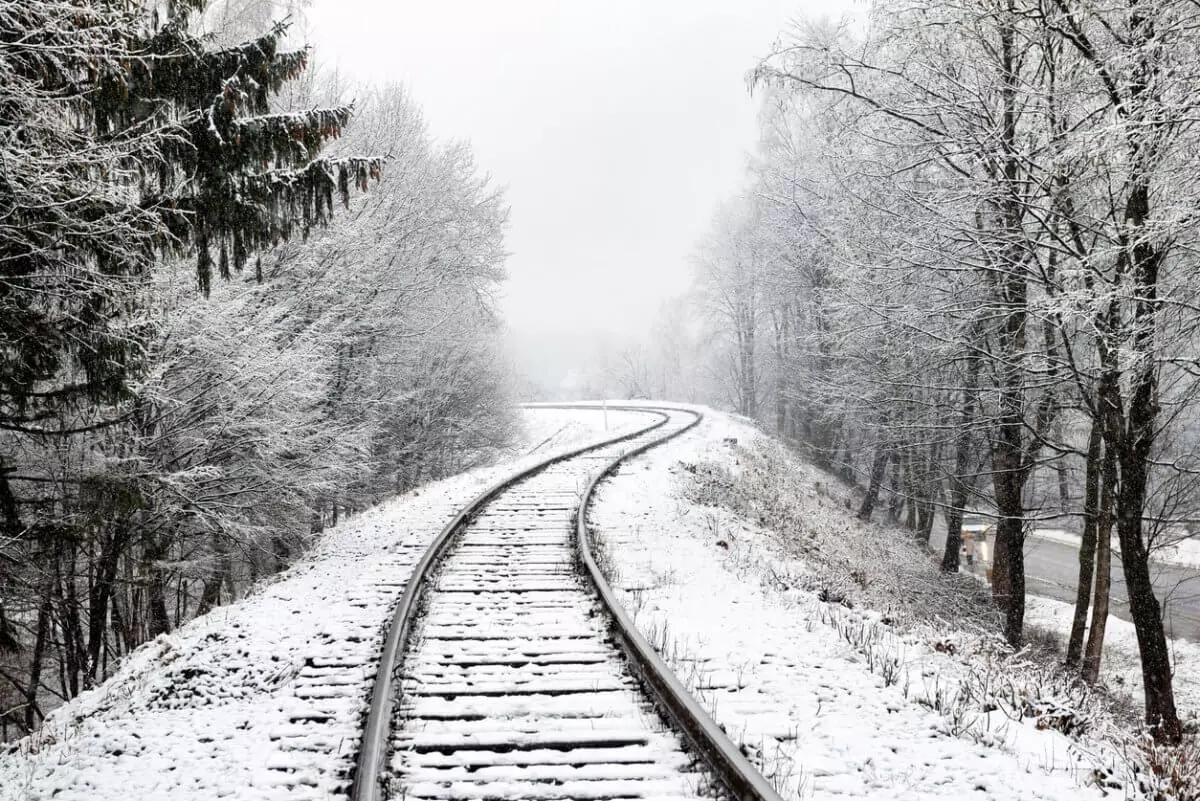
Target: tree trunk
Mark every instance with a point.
(1133, 434)
(98, 597)
(933, 493)
(1064, 485)
(1094, 652)
(158, 618)
(1161, 714)
(878, 468)
(45, 609)
(782, 340)
(74, 650)
(750, 387)
(210, 596)
(927, 491)
(1008, 576)
(1008, 559)
(895, 504)
(954, 541)
(910, 490)
(10, 522)
(1087, 546)
(1010, 462)
(963, 439)
(747, 379)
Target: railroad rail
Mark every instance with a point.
(510, 669)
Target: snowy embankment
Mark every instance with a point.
(833, 650)
(1121, 669)
(262, 699)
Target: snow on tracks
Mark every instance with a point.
(512, 685)
(261, 699)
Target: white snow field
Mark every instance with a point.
(253, 701)
(868, 702)
(853, 699)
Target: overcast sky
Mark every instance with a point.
(616, 126)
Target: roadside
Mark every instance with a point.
(1052, 572)
(835, 651)
(1050, 607)
(1183, 552)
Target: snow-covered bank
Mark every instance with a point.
(1121, 669)
(833, 650)
(262, 699)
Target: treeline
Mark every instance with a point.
(203, 360)
(963, 275)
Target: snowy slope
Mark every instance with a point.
(262, 699)
(253, 701)
(832, 702)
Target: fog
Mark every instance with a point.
(616, 127)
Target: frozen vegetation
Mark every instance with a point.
(263, 698)
(840, 656)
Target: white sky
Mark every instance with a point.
(616, 126)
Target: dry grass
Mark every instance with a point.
(852, 568)
(882, 568)
(1172, 772)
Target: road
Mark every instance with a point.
(1052, 570)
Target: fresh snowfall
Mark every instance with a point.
(733, 556)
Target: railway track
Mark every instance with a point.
(510, 671)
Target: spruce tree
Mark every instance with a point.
(240, 178)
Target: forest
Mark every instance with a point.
(961, 275)
(240, 297)
(243, 296)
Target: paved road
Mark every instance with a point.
(1052, 569)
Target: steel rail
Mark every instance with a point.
(730, 767)
(741, 779)
(366, 781)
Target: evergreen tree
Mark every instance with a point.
(235, 177)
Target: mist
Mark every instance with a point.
(615, 128)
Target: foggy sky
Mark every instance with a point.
(616, 126)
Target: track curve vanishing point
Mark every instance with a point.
(519, 678)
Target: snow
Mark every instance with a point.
(262, 699)
(548, 428)
(831, 702)
(1185, 552)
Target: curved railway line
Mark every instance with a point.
(510, 671)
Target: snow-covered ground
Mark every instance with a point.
(822, 647)
(1121, 669)
(816, 643)
(253, 701)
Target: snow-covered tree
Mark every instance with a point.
(1031, 168)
